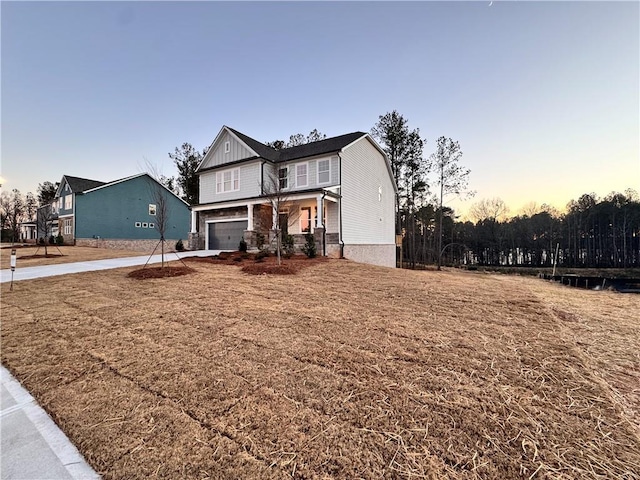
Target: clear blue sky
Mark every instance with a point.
(542, 96)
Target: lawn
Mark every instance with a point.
(341, 371)
(56, 255)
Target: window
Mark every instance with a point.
(68, 226)
(152, 225)
(227, 147)
(60, 204)
(145, 225)
(301, 175)
(305, 219)
(228, 181)
(283, 178)
(152, 209)
(138, 224)
(324, 171)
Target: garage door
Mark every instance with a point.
(226, 235)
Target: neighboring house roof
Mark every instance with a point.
(78, 184)
(105, 185)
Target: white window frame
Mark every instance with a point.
(328, 160)
(234, 181)
(138, 224)
(152, 209)
(67, 227)
(60, 203)
(68, 202)
(306, 175)
(152, 225)
(227, 147)
(285, 178)
(145, 225)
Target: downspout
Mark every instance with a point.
(340, 240)
(324, 225)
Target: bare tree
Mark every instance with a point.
(45, 216)
(452, 178)
(489, 208)
(276, 190)
(13, 209)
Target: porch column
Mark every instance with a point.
(250, 216)
(194, 221)
(320, 221)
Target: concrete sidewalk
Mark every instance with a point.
(29, 273)
(33, 447)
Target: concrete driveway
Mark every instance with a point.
(29, 273)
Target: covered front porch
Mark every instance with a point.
(257, 221)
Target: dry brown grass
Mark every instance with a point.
(65, 254)
(340, 371)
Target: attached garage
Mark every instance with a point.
(225, 235)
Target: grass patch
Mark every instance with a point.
(340, 371)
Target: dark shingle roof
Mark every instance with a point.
(79, 185)
(260, 148)
(328, 145)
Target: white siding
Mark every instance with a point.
(368, 197)
(332, 222)
(217, 156)
(249, 184)
(312, 173)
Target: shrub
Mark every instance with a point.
(41, 241)
(242, 246)
(309, 248)
(287, 245)
(262, 254)
(52, 240)
(59, 239)
(180, 246)
(260, 240)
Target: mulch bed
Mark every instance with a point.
(159, 272)
(255, 264)
(48, 255)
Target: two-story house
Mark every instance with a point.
(118, 214)
(341, 189)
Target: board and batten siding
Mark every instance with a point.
(217, 156)
(312, 173)
(249, 184)
(368, 204)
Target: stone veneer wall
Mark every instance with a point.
(144, 246)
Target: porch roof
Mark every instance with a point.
(292, 196)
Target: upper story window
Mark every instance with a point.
(60, 204)
(228, 181)
(227, 147)
(152, 209)
(302, 179)
(324, 171)
(67, 202)
(283, 178)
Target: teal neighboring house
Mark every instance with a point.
(119, 214)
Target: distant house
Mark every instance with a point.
(340, 189)
(28, 231)
(118, 214)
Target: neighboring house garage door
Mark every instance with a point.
(226, 235)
